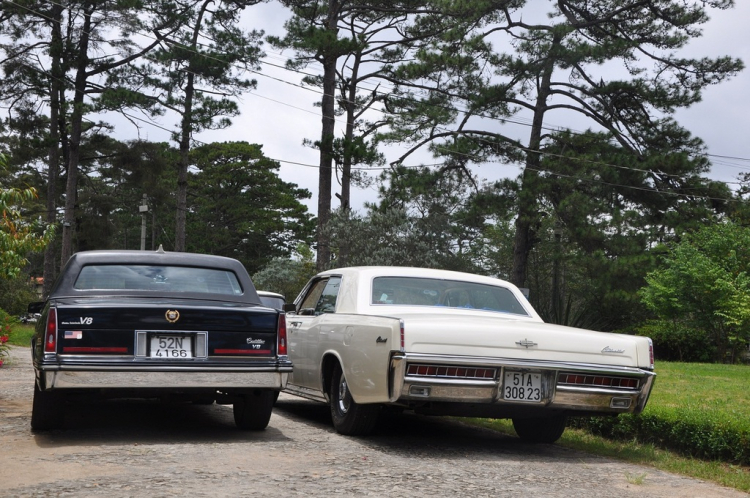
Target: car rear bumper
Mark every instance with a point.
(146, 375)
(162, 380)
(485, 395)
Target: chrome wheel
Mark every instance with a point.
(344, 398)
(349, 417)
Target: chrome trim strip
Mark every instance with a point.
(396, 377)
(130, 367)
(441, 381)
(163, 379)
(305, 392)
(526, 364)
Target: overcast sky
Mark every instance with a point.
(280, 114)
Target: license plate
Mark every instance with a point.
(171, 346)
(522, 386)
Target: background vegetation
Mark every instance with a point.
(601, 225)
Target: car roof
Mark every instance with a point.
(64, 285)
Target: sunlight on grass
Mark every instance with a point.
(732, 476)
(20, 335)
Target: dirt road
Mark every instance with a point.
(133, 448)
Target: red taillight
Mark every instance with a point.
(402, 336)
(281, 333)
(50, 337)
(651, 353)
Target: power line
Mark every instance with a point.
(507, 120)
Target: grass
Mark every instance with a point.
(20, 334)
(702, 409)
(732, 476)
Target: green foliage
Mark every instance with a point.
(16, 294)
(17, 236)
(676, 341)
(705, 286)
(21, 334)
(287, 276)
(697, 409)
(241, 208)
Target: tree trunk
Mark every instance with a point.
(53, 166)
(326, 142)
(76, 130)
(180, 240)
(528, 214)
(181, 217)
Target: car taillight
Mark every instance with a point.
(50, 336)
(651, 353)
(403, 339)
(281, 333)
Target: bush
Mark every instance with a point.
(677, 342)
(698, 409)
(16, 294)
(694, 435)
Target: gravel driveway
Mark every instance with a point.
(135, 448)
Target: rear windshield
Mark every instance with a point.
(445, 293)
(158, 279)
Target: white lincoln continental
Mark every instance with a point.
(448, 343)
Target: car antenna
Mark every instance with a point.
(161, 249)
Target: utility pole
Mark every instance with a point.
(143, 209)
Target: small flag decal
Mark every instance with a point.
(74, 334)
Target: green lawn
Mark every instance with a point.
(697, 423)
(20, 334)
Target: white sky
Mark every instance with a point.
(279, 115)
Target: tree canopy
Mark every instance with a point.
(704, 288)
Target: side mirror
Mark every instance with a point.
(35, 307)
(290, 308)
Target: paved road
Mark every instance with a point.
(134, 448)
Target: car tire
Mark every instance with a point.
(253, 411)
(349, 417)
(47, 410)
(540, 430)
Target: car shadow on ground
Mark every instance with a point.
(113, 422)
(422, 436)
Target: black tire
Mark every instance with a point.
(253, 411)
(540, 430)
(47, 410)
(349, 417)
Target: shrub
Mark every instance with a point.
(694, 435)
(678, 342)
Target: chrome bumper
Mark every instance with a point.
(407, 389)
(104, 379)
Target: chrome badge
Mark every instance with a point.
(608, 349)
(172, 316)
(526, 343)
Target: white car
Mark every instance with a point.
(449, 343)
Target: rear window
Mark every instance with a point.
(158, 279)
(413, 291)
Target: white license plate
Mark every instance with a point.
(522, 386)
(171, 346)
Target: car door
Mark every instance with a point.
(305, 332)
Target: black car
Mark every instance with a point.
(158, 325)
